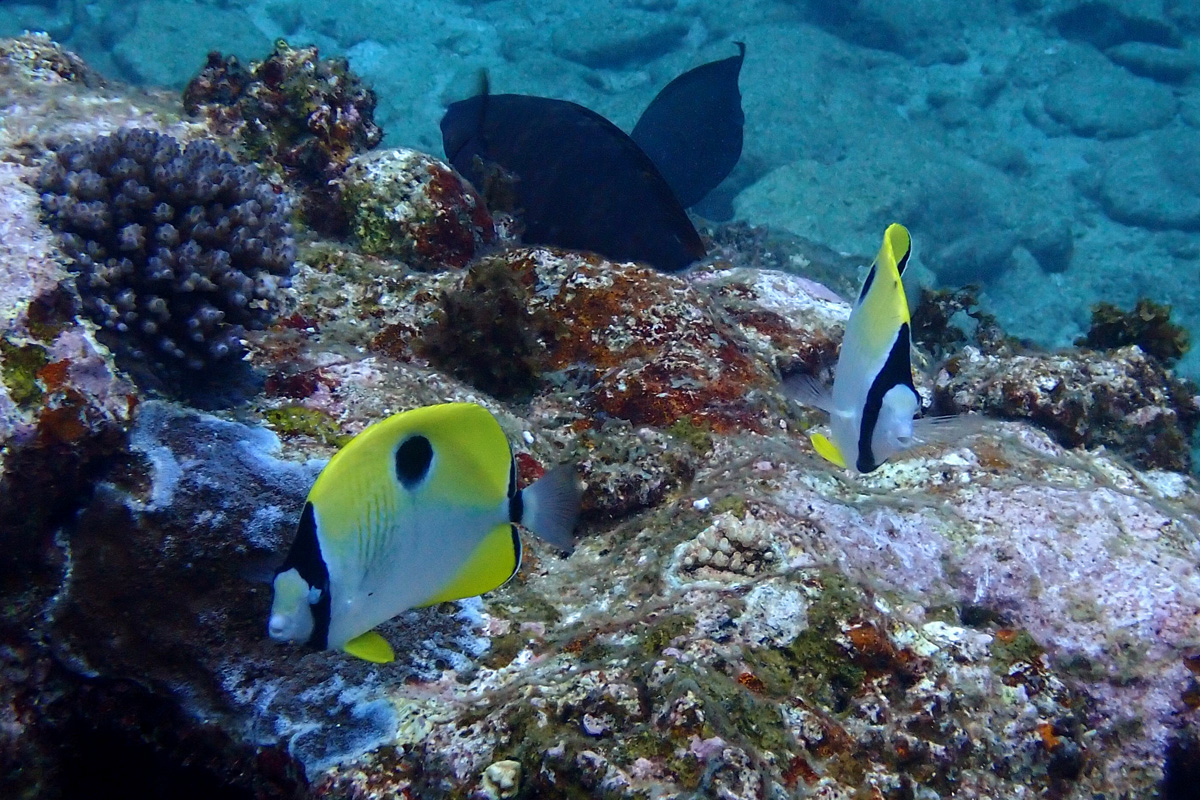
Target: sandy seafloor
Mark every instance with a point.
(1047, 149)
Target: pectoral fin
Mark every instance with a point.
(372, 647)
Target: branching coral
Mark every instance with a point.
(179, 251)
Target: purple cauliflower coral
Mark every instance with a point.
(179, 251)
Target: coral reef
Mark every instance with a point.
(1124, 399)
(296, 110)
(1148, 326)
(41, 58)
(179, 251)
(997, 616)
(407, 205)
(485, 333)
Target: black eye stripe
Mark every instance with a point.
(413, 457)
(305, 557)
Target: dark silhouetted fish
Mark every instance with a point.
(692, 130)
(579, 181)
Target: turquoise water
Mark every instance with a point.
(1047, 150)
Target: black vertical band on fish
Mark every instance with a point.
(897, 371)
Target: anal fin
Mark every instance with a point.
(372, 647)
(828, 450)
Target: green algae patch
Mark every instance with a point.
(734, 504)
(304, 421)
(815, 665)
(664, 630)
(19, 365)
(730, 710)
(1010, 647)
(658, 746)
(698, 436)
(503, 649)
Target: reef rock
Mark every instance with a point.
(408, 205)
(998, 616)
(1123, 400)
(1082, 101)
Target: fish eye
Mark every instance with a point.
(413, 457)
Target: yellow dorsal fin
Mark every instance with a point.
(371, 647)
(828, 451)
(897, 245)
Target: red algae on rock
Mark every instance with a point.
(658, 349)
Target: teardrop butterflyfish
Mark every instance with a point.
(419, 508)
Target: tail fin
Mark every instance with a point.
(550, 506)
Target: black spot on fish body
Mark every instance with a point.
(413, 457)
(692, 130)
(897, 371)
(581, 182)
(512, 477)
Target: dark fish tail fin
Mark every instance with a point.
(550, 506)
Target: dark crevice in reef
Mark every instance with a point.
(86, 737)
(1181, 770)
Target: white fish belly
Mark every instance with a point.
(411, 560)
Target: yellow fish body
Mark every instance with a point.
(419, 508)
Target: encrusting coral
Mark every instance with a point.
(178, 251)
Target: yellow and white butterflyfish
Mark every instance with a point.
(873, 401)
(419, 508)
